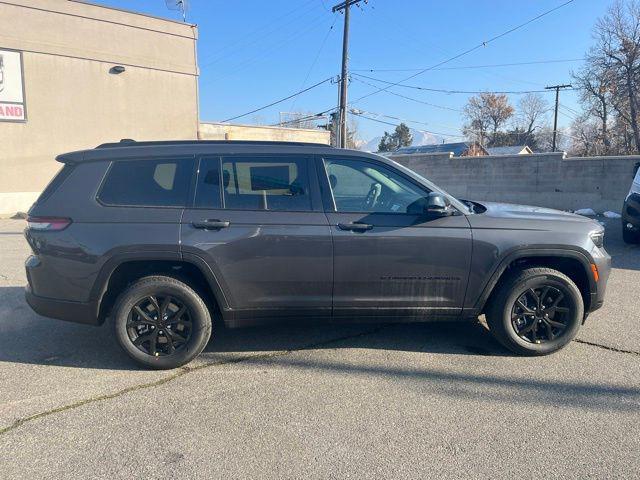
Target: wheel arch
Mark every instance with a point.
(576, 264)
(121, 271)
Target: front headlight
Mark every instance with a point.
(597, 238)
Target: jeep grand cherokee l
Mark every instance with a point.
(166, 239)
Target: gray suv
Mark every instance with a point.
(166, 239)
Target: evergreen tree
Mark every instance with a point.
(401, 137)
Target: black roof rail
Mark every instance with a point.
(127, 142)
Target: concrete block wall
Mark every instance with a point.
(548, 180)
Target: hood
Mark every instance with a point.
(527, 212)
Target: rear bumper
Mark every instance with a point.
(76, 312)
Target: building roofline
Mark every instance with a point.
(133, 12)
(222, 124)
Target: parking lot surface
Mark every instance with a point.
(334, 401)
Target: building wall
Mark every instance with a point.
(224, 131)
(547, 180)
(72, 100)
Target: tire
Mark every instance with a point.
(533, 333)
(179, 337)
(630, 237)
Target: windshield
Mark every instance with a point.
(460, 205)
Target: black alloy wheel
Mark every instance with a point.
(540, 314)
(161, 322)
(535, 311)
(159, 325)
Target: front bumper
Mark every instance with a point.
(631, 212)
(76, 312)
(602, 261)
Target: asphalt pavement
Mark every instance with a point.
(335, 401)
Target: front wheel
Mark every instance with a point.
(161, 323)
(536, 311)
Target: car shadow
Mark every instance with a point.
(28, 338)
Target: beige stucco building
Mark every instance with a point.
(74, 75)
(72, 96)
(225, 131)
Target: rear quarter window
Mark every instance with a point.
(147, 183)
(55, 183)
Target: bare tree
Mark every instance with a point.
(486, 113)
(532, 112)
(594, 85)
(617, 52)
(585, 136)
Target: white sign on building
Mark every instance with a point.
(12, 105)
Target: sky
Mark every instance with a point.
(254, 52)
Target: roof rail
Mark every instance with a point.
(127, 142)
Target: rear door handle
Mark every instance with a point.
(355, 226)
(211, 224)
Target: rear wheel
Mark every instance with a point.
(536, 311)
(160, 322)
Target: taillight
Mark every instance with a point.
(48, 224)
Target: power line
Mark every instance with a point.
(248, 39)
(469, 50)
(279, 101)
(442, 90)
(302, 119)
(364, 112)
(469, 67)
(395, 94)
(263, 54)
(315, 60)
(396, 124)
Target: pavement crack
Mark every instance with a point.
(177, 374)
(606, 347)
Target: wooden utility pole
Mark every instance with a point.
(555, 117)
(344, 76)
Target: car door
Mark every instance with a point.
(390, 258)
(258, 223)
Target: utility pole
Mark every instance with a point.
(555, 117)
(342, 118)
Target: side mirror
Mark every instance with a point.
(437, 204)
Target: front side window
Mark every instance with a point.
(147, 183)
(266, 183)
(361, 186)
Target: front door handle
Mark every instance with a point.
(355, 226)
(211, 224)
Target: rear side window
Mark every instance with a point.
(55, 183)
(147, 183)
(266, 183)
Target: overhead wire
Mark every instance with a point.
(469, 50)
(247, 39)
(442, 90)
(279, 101)
(395, 94)
(261, 56)
(303, 119)
(396, 124)
(315, 60)
(469, 67)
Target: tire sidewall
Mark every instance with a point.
(200, 318)
(575, 319)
